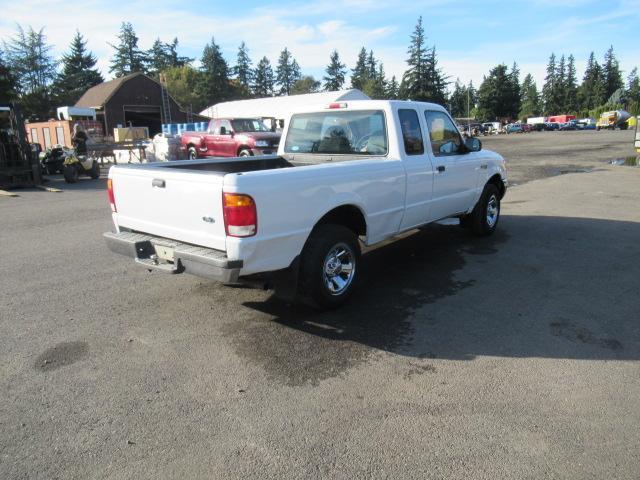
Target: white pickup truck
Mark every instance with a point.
(345, 174)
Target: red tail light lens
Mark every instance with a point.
(240, 215)
(112, 199)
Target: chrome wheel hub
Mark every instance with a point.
(492, 211)
(338, 269)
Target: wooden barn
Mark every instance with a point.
(133, 100)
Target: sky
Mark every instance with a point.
(470, 37)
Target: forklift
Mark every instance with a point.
(19, 165)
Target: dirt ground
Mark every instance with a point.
(509, 357)
(544, 154)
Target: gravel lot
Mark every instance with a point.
(509, 357)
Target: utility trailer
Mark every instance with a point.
(19, 166)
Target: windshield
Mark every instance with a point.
(360, 132)
(243, 125)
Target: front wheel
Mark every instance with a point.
(483, 220)
(192, 154)
(70, 173)
(329, 267)
(244, 153)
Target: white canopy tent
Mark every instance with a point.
(278, 107)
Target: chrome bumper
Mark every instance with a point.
(199, 261)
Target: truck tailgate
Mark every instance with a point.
(177, 204)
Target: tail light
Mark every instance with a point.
(240, 215)
(337, 105)
(112, 198)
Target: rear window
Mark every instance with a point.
(361, 132)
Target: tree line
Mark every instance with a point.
(501, 96)
(29, 73)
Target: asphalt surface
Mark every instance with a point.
(509, 357)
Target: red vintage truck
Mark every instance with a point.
(231, 137)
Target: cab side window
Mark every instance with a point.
(215, 129)
(411, 133)
(445, 137)
(226, 124)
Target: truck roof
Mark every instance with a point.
(369, 105)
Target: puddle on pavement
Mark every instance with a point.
(65, 353)
(633, 161)
(297, 345)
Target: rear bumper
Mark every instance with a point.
(200, 261)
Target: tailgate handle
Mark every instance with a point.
(158, 182)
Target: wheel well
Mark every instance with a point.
(243, 147)
(190, 145)
(348, 216)
(497, 181)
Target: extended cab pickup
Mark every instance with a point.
(345, 175)
(231, 137)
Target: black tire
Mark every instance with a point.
(192, 153)
(70, 173)
(95, 170)
(245, 152)
(485, 215)
(316, 286)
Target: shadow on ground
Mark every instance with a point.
(540, 287)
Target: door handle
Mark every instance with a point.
(158, 182)
(441, 168)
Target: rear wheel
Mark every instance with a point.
(329, 267)
(70, 173)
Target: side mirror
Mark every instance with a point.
(473, 144)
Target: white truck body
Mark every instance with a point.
(181, 202)
(536, 120)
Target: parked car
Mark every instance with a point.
(571, 125)
(526, 127)
(551, 126)
(231, 137)
(348, 174)
(514, 128)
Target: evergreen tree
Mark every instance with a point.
(157, 58)
(495, 96)
(612, 76)
(176, 60)
(376, 85)
(336, 71)
(33, 68)
(78, 72)
(571, 87)
(393, 88)
(359, 74)
(306, 84)
(552, 90)
(530, 105)
(458, 100)
(423, 80)
(514, 97)
(263, 79)
(287, 72)
(214, 81)
(128, 58)
(633, 92)
(561, 75)
(591, 93)
(371, 65)
(7, 83)
(242, 70)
